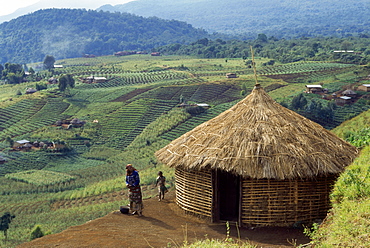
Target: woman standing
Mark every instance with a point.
(134, 194)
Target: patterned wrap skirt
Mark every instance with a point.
(136, 199)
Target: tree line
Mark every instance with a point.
(354, 49)
(13, 73)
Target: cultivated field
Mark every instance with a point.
(127, 118)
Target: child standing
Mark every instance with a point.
(161, 183)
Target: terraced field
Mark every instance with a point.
(122, 126)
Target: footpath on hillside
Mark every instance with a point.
(163, 225)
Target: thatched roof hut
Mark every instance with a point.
(257, 163)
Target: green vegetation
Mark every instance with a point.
(77, 32)
(347, 224)
(281, 50)
(67, 33)
(306, 18)
(40, 178)
(125, 119)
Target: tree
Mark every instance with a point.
(14, 78)
(41, 87)
(4, 223)
(346, 45)
(66, 81)
(31, 71)
(36, 232)
(262, 37)
(10, 141)
(298, 102)
(1, 70)
(62, 85)
(49, 62)
(71, 81)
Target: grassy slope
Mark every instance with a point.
(347, 224)
(137, 115)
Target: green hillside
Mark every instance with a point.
(126, 118)
(347, 224)
(67, 33)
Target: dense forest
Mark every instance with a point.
(66, 33)
(280, 18)
(348, 50)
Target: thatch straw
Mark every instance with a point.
(259, 138)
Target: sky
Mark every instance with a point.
(12, 5)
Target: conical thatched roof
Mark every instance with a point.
(259, 138)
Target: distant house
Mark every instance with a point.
(349, 93)
(77, 122)
(156, 54)
(2, 160)
(343, 100)
(52, 80)
(31, 90)
(58, 66)
(315, 88)
(203, 105)
(124, 53)
(231, 75)
(21, 143)
(94, 79)
(89, 55)
(364, 87)
(100, 79)
(343, 51)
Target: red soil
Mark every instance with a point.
(163, 223)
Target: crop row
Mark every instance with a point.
(155, 110)
(138, 78)
(117, 124)
(40, 177)
(301, 68)
(221, 72)
(122, 126)
(196, 120)
(25, 120)
(18, 111)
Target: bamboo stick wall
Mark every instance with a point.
(283, 203)
(194, 191)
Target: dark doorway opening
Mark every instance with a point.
(229, 195)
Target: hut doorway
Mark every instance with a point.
(228, 195)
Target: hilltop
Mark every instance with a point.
(162, 225)
(67, 33)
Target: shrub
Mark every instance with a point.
(36, 232)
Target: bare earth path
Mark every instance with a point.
(162, 224)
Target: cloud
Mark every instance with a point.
(13, 5)
(62, 42)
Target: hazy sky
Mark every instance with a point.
(12, 5)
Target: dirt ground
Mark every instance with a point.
(163, 224)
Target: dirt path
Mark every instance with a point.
(163, 223)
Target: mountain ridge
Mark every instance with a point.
(66, 33)
(282, 19)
